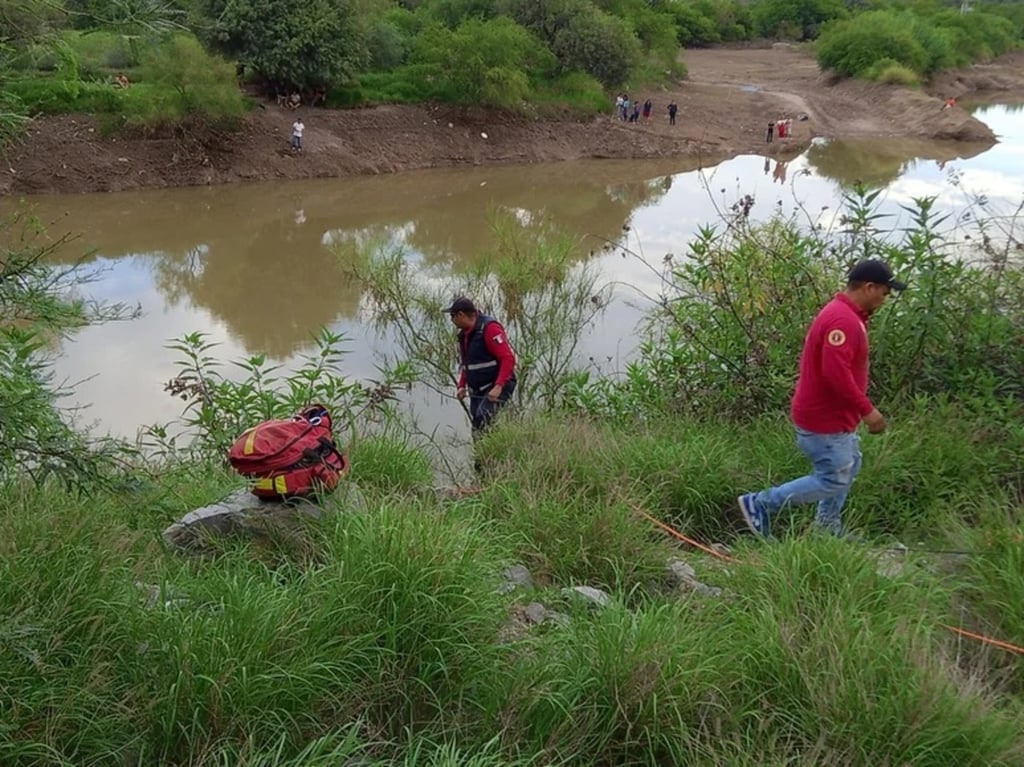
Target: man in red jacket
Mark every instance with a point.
(829, 403)
(488, 365)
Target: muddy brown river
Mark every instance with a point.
(251, 266)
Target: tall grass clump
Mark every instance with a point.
(922, 483)
(815, 657)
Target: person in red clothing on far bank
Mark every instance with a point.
(488, 365)
(829, 403)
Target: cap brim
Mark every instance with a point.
(897, 285)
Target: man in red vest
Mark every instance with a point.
(487, 371)
(829, 403)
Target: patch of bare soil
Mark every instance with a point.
(725, 105)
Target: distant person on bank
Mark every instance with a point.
(488, 365)
(830, 402)
(297, 130)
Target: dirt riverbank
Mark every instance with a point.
(725, 105)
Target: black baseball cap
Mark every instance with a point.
(461, 304)
(874, 270)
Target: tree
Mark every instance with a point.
(801, 19)
(598, 44)
(291, 44)
(485, 62)
(37, 305)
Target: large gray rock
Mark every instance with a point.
(242, 513)
(683, 578)
(594, 597)
(516, 576)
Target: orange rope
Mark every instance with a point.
(697, 545)
(680, 536)
(987, 640)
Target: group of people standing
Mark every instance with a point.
(781, 128)
(829, 403)
(634, 112)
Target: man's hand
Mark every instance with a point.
(494, 393)
(460, 393)
(875, 422)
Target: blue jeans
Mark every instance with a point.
(482, 411)
(837, 460)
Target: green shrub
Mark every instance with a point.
(99, 51)
(694, 29)
(892, 73)
(349, 94)
(186, 82)
(852, 47)
(600, 45)
(732, 325)
(388, 46)
(483, 62)
(576, 89)
(53, 96)
(923, 43)
(799, 20)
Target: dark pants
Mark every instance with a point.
(482, 411)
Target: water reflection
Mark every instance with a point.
(878, 163)
(255, 256)
(249, 265)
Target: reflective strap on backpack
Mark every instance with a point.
(276, 484)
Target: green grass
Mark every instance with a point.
(48, 95)
(381, 636)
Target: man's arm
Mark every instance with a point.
(840, 344)
(497, 344)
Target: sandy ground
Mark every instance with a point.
(725, 105)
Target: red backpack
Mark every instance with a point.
(296, 456)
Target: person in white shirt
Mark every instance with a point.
(297, 129)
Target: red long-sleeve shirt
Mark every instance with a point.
(498, 346)
(831, 393)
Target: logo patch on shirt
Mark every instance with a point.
(836, 337)
(499, 339)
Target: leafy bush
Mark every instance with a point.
(291, 45)
(977, 36)
(694, 29)
(218, 407)
(483, 62)
(800, 20)
(736, 310)
(922, 43)
(185, 81)
(388, 46)
(851, 48)
(598, 44)
(99, 51)
(37, 438)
